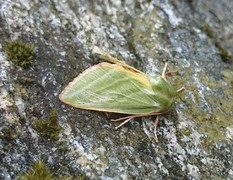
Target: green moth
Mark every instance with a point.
(114, 86)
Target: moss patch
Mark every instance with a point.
(39, 171)
(207, 29)
(9, 133)
(20, 53)
(224, 53)
(212, 124)
(48, 128)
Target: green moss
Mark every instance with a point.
(26, 80)
(225, 55)
(212, 125)
(38, 171)
(80, 177)
(20, 91)
(48, 128)
(20, 53)
(9, 133)
(206, 29)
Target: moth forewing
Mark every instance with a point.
(110, 88)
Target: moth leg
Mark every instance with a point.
(155, 128)
(123, 118)
(124, 122)
(181, 89)
(128, 118)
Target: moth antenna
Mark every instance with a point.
(97, 50)
(105, 56)
(164, 71)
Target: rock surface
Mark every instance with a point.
(196, 138)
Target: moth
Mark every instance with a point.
(116, 87)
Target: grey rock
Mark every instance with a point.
(196, 137)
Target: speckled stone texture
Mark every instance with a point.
(192, 36)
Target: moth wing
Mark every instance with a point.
(107, 57)
(111, 88)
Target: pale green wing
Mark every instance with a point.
(111, 88)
